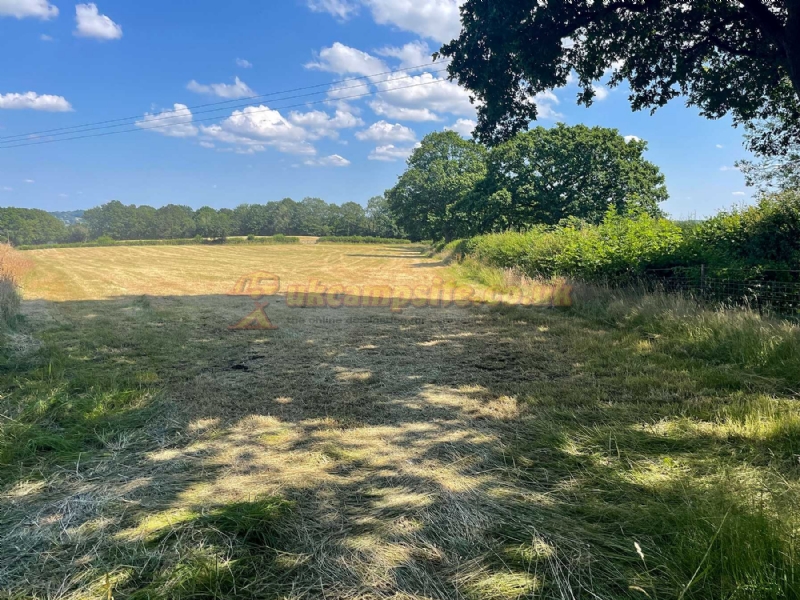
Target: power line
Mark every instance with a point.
(183, 116)
(217, 116)
(191, 108)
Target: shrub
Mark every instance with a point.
(764, 236)
(618, 248)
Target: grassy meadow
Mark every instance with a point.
(628, 447)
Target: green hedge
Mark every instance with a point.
(359, 239)
(752, 239)
(617, 248)
(760, 241)
(105, 241)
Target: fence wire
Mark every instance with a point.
(768, 292)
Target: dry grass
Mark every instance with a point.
(485, 453)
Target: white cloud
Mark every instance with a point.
(435, 19)
(632, 138)
(383, 131)
(420, 98)
(334, 160)
(172, 123)
(205, 144)
(384, 109)
(391, 153)
(348, 89)
(545, 102)
(727, 168)
(29, 181)
(63, 195)
(90, 23)
(720, 146)
(237, 89)
(412, 54)
(600, 92)
(739, 194)
(46, 38)
(343, 60)
(463, 127)
(341, 9)
(39, 9)
(7, 188)
(244, 64)
(255, 127)
(33, 101)
(320, 124)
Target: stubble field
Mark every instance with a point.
(149, 450)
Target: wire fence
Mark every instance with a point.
(774, 292)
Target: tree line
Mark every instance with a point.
(118, 221)
(455, 187)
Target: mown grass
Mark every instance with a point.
(631, 446)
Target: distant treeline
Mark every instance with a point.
(117, 221)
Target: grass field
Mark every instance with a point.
(492, 452)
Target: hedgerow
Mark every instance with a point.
(359, 239)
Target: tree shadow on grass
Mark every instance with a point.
(483, 453)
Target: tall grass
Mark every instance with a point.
(720, 334)
(12, 267)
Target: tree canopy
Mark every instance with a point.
(456, 187)
(30, 226)
(725, 56)
(441, 172)
(546, 175)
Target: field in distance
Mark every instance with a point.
(149, 450)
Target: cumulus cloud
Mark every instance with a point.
(244, 64)
(319, 124)
(46, 38)
(545, 104)
(385, 109)
(632, 138)
(38, 9)
(463, 127)
(231, 91)
(438, 20)
(345, 60)
(90, 23)
(412, 54)
(739, 194)
(255, 127)
(341, 9)
(720, 146)
(34, 101)
(334, 160)
(600, 92)
(176, 122)
(421, 98)
(383, 131)
(391, 153)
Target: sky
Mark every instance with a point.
(179, 79)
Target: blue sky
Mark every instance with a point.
(66, 64)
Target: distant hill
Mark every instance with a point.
(70, 217)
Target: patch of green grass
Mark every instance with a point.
(229, 551)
